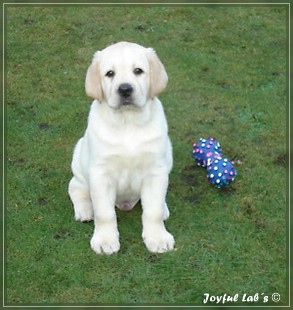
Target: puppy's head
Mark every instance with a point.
(125, 75)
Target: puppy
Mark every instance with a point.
(125, 154)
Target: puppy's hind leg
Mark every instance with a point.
(80, 197)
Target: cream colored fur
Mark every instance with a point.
(125, 154)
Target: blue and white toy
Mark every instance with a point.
(207, 153)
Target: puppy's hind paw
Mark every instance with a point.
(84, 215)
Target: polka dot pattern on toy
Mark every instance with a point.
(207, 153)
(204, 150)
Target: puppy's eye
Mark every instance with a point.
(110, 74)
(137, 71)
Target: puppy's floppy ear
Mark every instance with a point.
(93, 87)
(158, 74)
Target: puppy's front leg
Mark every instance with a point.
(156, 238)
(106, 235)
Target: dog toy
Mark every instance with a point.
(208, 153)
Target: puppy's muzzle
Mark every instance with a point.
(125, 91)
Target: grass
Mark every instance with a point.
(227, 68)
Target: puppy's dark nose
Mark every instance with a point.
(125, 90)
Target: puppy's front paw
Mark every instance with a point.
(159, 241)
(104, 242)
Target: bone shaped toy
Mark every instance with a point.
(208, 153)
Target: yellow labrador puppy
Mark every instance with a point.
(125, 154)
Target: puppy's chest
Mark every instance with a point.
(132, 156)
(135, 150)
(129, 162)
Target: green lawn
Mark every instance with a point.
(227, 70)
